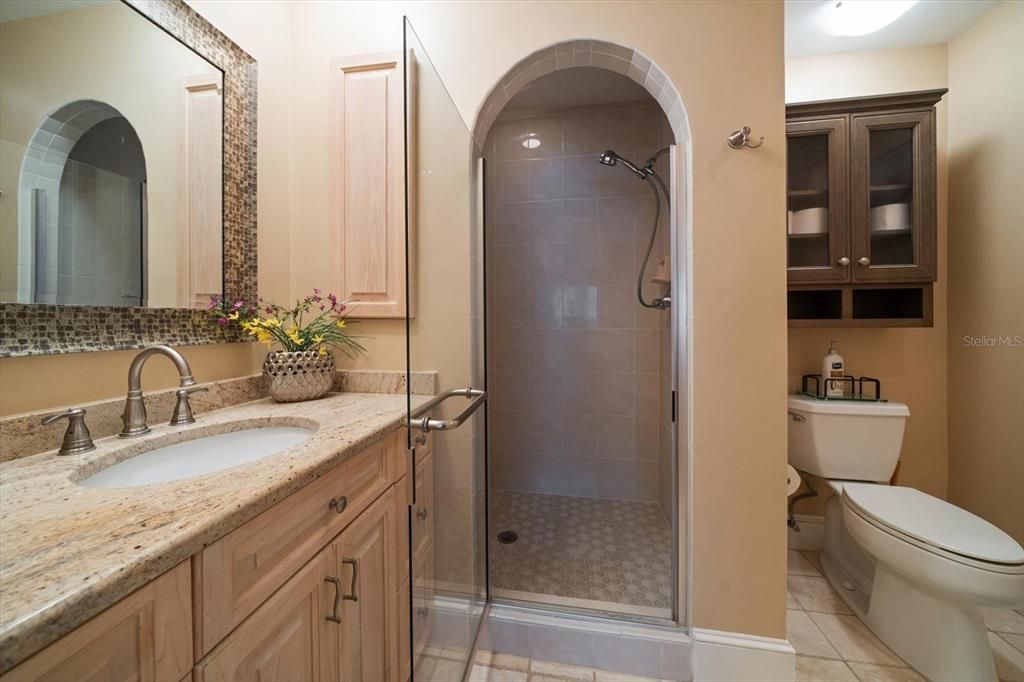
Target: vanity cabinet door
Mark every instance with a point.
(422, 530)
(146, 636)
(368, 568)
(289, 637)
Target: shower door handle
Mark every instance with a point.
(425, 424)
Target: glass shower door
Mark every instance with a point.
(445, 365)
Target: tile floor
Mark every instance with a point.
(833, 645)
(492, 667)
(582, 548)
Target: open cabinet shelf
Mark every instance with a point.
(881, 305)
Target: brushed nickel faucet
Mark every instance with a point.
(77, 438)
(134, 415)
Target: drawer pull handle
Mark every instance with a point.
(355, 576)
(338, 504)
(334, 617)
(422, 514)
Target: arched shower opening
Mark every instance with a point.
(587, 477)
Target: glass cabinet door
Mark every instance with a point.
(817, 238)
(893, 195)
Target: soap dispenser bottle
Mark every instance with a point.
(832, 368)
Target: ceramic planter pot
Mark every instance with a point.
(293, 376)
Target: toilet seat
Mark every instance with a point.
(935, 526)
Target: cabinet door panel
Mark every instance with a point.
(422, 531)
(147, 636)
(893, 197)
(817, 192)
(368, 184)
(287, 638)
(368, 572)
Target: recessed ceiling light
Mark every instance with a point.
(531, 141)
(861, 17)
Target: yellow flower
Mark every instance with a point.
(293, 334)
(318, 339)
(341, 324)
(263, 336)
(233, 316)
(323, 351)
(273, 322)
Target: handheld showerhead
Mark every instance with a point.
(610, 158)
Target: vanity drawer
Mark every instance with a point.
(242, 569)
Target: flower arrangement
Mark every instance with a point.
(315, 323)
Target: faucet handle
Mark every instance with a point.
(183, 409)
(77, 438)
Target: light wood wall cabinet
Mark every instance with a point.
(861, 200)
(367, 184)
(316, 588)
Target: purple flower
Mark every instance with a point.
(222, 321)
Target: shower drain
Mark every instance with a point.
(507, 537)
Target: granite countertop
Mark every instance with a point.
(68, 552)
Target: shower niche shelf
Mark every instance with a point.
(861, 210)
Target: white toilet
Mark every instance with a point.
(915, 568)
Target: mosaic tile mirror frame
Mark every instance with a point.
(44, 329)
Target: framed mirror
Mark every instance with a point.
(127, 175)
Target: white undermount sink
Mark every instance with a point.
(199, 457)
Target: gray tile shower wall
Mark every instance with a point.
(574, 362)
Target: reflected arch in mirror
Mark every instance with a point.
(81, 209)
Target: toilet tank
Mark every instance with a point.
(845, 439)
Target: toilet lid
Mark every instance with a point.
(934, 522)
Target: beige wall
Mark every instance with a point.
(739, 259)
(56, 381)
(49, 61)
(911, 363)
(986, 268)
(738, 574)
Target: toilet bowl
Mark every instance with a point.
(935, 565)
(914, 568)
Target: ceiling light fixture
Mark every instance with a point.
(861, 17)
(531, 141)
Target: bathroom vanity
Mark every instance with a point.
(861, 210)
(295, 567)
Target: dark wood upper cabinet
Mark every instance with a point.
(861, 199)
(817, 201)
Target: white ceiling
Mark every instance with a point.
(926, 23)
(578, 86)
(23, 9)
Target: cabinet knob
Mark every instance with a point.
(338, 504)
(865, 261)
(844, 261)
